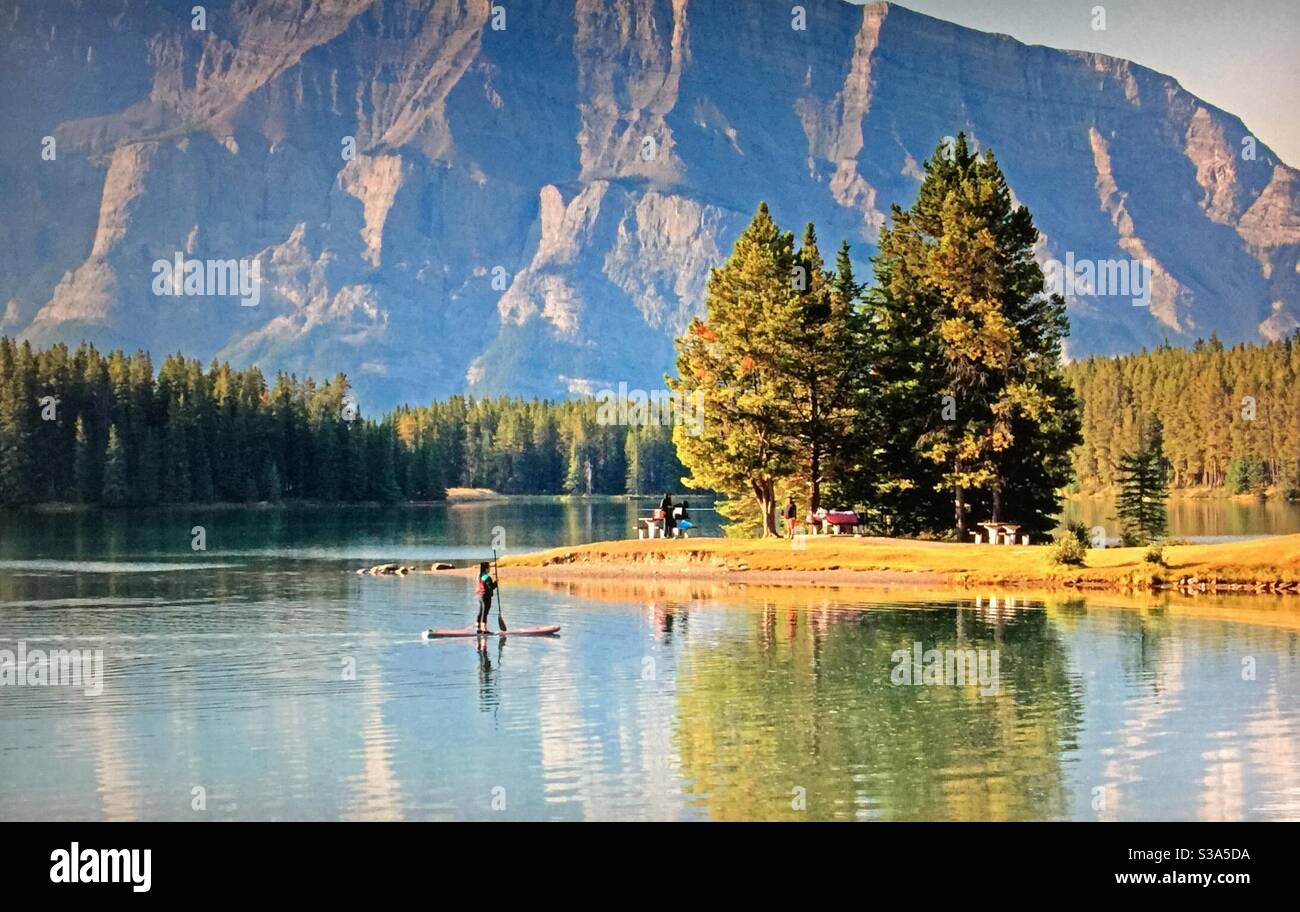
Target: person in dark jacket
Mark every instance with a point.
(791, 511)
(485, 588)
(666, 511)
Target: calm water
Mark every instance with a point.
(1199, 519)
(268, 675)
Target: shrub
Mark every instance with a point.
(1155, 555)
(1080, 532)
(1066, 550)
(1290, 486)
(1247, 475)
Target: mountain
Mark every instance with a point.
(538, 190)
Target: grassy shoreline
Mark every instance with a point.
(1259, 565)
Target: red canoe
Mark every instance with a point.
(513, 632)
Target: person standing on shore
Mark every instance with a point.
(484, 588)
(791, 511)
(666, 511)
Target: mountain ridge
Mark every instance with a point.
(534, 210)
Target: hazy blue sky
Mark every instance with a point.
(1241, 55)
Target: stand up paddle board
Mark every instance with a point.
(513, 632)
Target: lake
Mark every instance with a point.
(1198, 519)
(261, 678)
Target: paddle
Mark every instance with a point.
(501, 618)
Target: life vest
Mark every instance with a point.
(485, 584)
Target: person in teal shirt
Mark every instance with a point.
(485, 588)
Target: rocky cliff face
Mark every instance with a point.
(444, 195)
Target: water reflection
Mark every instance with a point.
(376, 790)
(787, 712)
(1198, 518)
(811, 706)
(672, 700)
(402, 533)
(487, 695)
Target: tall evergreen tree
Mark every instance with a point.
(970, 354)
(825, 350)
(88, 482)
(271, 487)
(632, 445)
(17, 404)
(736, 360)
(202, 489)
(1144, 490)
(176, 486)
(117, 484)
(386, 489)
(148, 486)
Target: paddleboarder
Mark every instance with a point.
(484, 588)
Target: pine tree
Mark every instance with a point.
(86, 468)
(435, 484)
(634, 472)
(826, 352)
(148, 488)
(271, 488)
(1246, 475)
(16, 404)
(578, 468)
(549, 449)
(176, 486)
(970, 350)
(117, 486)
(1144, 491)
(386, 487)
(735, 360)
(202, 489)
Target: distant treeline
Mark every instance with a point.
(1230, 416)
(79, 426)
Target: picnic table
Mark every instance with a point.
(999, 533)
(649, 527)
(652, 526)
(834, 522)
